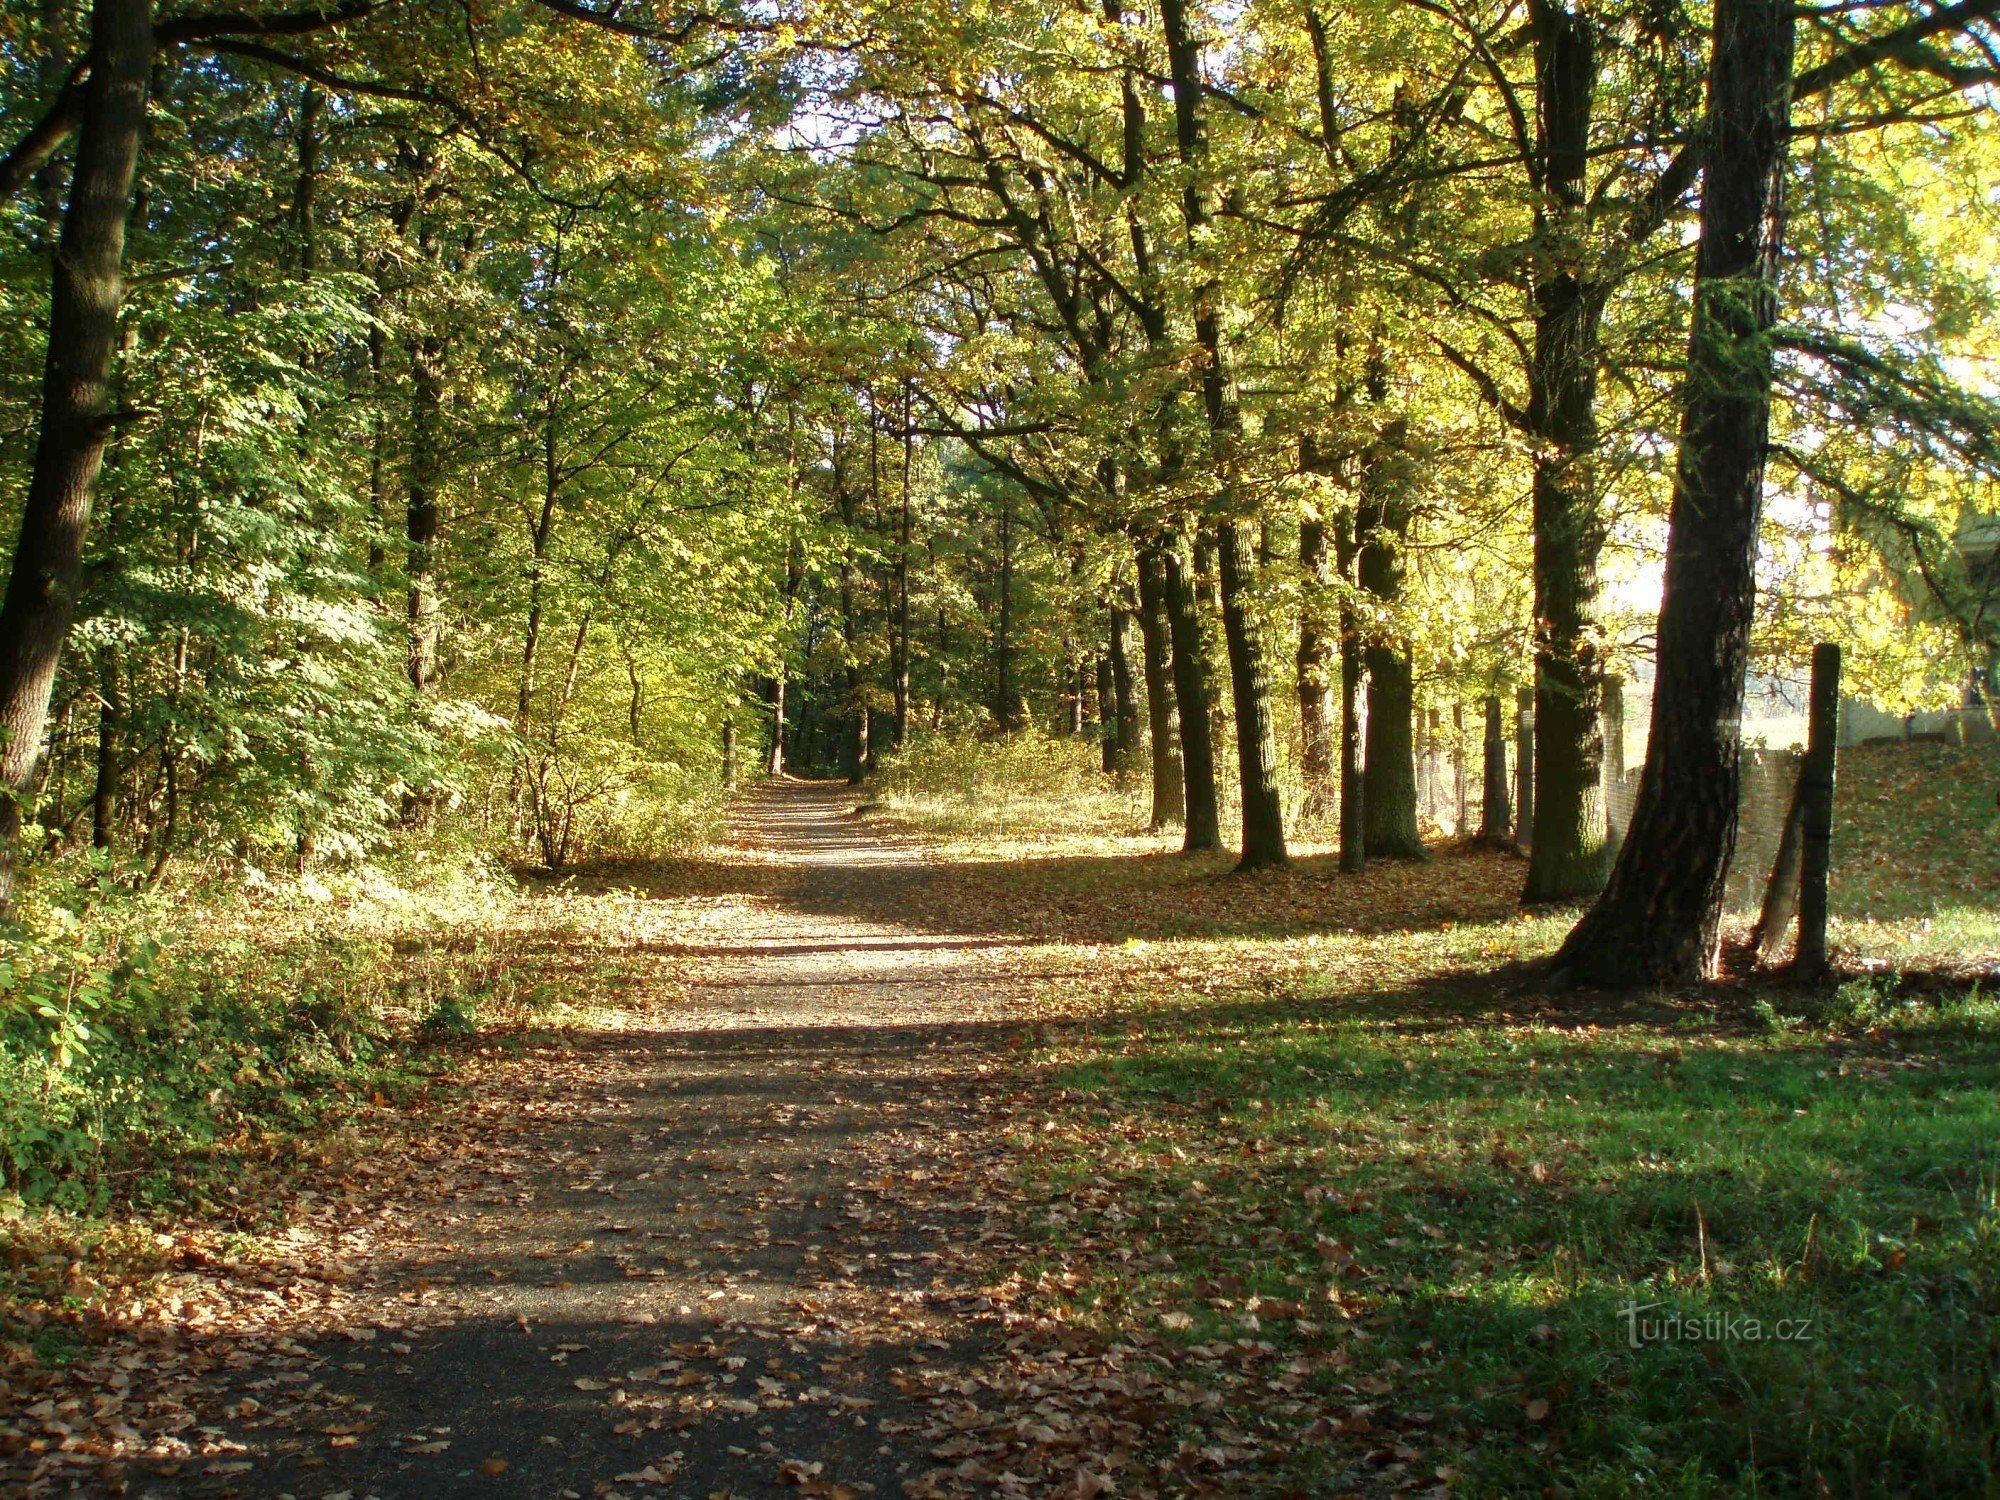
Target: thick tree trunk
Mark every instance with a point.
(1156, 644)
(774, 700)
(87, 289)
(1203, 820)
(1250, 686)
(1122, 707)
(1659, 919)
(1567, 832)
(1315, 672)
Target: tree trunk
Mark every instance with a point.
(1250, 687)
(422, 513)
(1122, 706)
(1006, 695)
(1315, 672)
(1353, 677)
(774, 699)
(110, 709)
(1390, 821)
(1566, 827)
(1659, 919)
(87, 289)
(1496, 817)
(899, 666)
(1249, 673)
(1524, 768)
(1156, 642)
(1191, 693)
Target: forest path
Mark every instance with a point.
(714, 1253)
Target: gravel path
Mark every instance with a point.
(723, 1253)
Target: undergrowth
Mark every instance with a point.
(155, 1046)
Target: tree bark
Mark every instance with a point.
(1315, 672)
(1250, 687)
(1122, 707)
(1203, 820)
(1353, 677)
(1524, 768)
(1249, 673)
(1659, 918)
(1566, 833)
(1155, 637)
(1006, 695)
(1496, 817)
(87, 290)
(110, 711)
(421, 514)
(1390, 820)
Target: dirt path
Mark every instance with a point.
(716, 1254)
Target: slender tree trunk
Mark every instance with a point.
(1566, 835)
(1203, 821)
(1353, 678)
(1156, 644)
(1250, 686)
(306, 190)
(422, 512)
(900, 648)
(1524, 768)
(87, 290)
(1659, 918)
(1315, 672)
(110, 711)
(1006, 695)
(1122, 707)
(1496, 816)
(1249, 672)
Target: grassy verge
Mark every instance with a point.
(1399, 1231)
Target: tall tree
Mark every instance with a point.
(1659, 918)
(76, 417)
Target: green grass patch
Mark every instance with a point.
(1427, 1239)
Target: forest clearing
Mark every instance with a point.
(1028, 747)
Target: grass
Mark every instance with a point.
(1325, 1147)
(1434, 1224)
